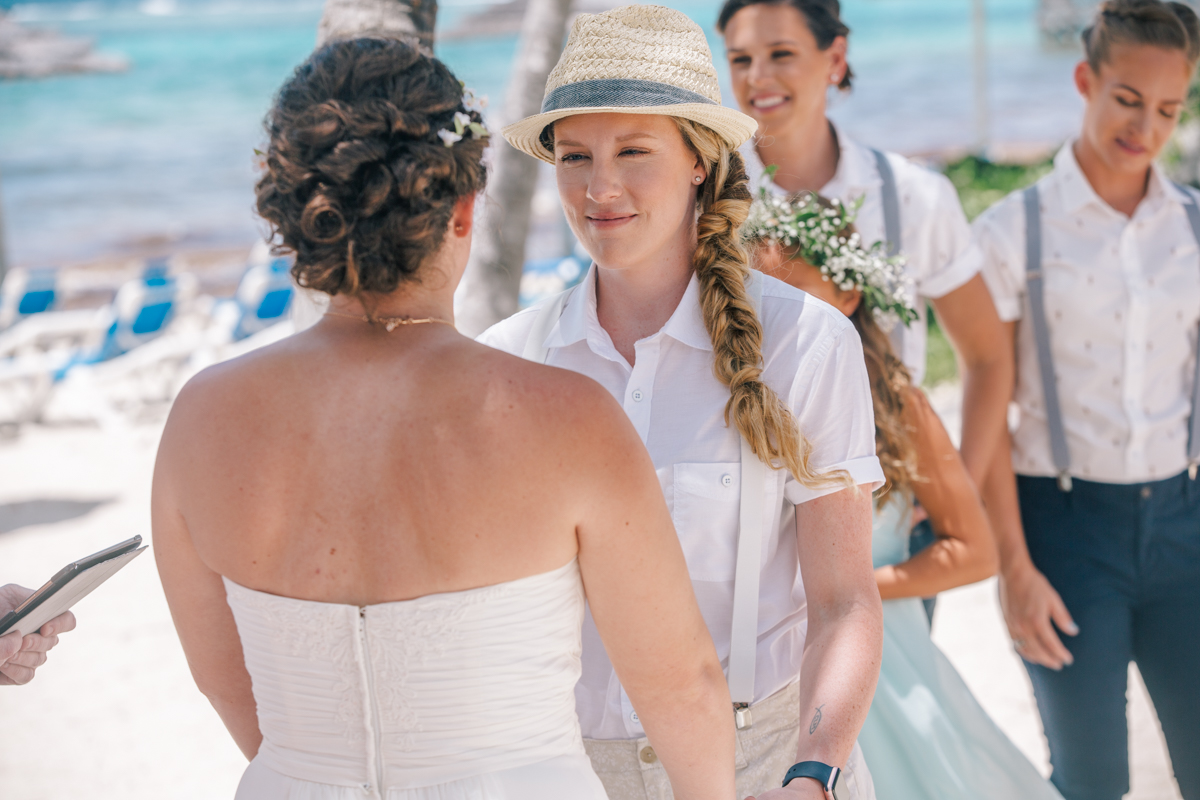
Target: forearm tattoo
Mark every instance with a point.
(816, 720)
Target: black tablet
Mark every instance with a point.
(71, 584)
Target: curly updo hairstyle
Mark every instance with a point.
(358, 183)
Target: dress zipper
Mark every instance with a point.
(372, 702)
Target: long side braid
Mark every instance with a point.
(722, 266)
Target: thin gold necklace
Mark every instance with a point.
(389, 323)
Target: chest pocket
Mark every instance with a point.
(705, 513)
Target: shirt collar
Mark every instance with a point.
(686, 325)
(1077, 190)
(856, 170)
(580, 322)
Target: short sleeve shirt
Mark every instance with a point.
(813, 360)
(935, 236)
(1122, 300)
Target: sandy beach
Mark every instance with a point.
(114, 714)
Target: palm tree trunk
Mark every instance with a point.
(493, 278)
(412, 20)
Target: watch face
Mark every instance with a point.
(839, 791)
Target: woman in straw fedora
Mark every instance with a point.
(751, 397)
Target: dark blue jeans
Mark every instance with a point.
(1126, 560)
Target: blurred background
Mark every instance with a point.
(131, 258)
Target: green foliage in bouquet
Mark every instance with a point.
(817, 232)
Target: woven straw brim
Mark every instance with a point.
(732, 126)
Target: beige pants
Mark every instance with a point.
(630, 769)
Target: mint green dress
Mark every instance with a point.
(926, 737)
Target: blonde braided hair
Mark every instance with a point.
(722, 266)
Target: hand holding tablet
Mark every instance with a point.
(32, 620)
(21, 655)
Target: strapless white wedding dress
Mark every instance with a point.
(459, 696)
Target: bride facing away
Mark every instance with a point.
(376, 537)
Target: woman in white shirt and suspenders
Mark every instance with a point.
(751, 397)
(1096, 272)
(784, 55)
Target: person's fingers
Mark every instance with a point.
(1047, 637)
(10, 645)
(12, 595)
(1062, 617)
(1031, 649)
(28, 658)
(63, 623)
(39, 643)
(16, 674)
(1025, 628)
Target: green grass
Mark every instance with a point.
(940, 363)
(980, 183)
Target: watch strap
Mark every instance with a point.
(827, 775)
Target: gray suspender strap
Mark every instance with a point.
(543, 323)
(890, 194)
(891, 203)
(1193, 447)
(1041, 336)
(743, 640)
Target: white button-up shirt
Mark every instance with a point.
(1122, 299)
(814, 361)
(934, 234)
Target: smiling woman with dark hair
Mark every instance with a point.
(784, 57)
(1096, 272)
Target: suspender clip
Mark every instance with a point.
(741, 716)
(1192, 470)
(1064, 480)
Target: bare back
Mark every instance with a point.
(347, 464)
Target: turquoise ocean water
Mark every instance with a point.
(163, 154)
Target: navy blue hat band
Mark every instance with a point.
(619, 93)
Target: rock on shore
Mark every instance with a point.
(40, 53)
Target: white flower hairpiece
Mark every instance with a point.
(818, 233)
(463, 122)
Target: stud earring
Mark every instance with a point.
(699, 179)
(835, 79)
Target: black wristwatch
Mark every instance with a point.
(827, 775)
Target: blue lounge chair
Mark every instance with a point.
(26, 292)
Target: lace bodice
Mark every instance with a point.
(414, 693)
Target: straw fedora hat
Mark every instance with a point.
(633, 60)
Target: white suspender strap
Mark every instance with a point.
(890, 194)
(1041, 336)
(743, 641)
(543, 323)
(1193, 447)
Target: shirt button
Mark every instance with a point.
(637, 395)
(727, 480)
(647, 755)
(633, 716)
